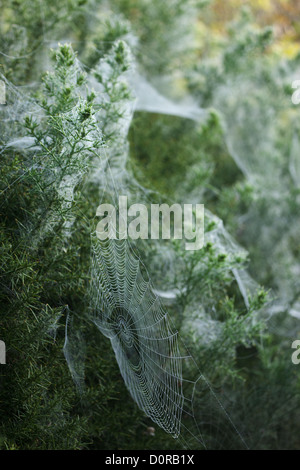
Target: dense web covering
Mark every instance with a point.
(254, 111)
(148, 99)
(126, 307)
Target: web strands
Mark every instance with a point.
(252, 119)
(127, 311)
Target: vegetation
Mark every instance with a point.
(71, 70)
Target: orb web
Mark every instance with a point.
(128, 312)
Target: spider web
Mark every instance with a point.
(127, 311)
